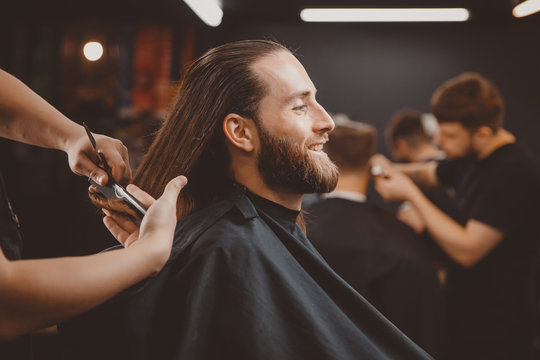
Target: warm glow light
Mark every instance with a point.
(385, 15)
(526, 8)
(208, 10)
(93, 50)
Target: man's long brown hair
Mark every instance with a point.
(191, 141)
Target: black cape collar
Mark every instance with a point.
(285, 216)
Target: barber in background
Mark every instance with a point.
(492, 296)
(38, 293)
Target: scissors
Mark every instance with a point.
(113, 190)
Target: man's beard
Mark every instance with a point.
(289, 166)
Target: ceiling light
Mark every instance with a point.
(526, 8)
(208, 10)
(384, 15)
(93, 51)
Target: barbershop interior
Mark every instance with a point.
(465, 75)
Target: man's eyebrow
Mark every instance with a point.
(300, 94)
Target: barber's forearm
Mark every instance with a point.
(26, 117)
(422, 173)
(38, 293)
(449, 234)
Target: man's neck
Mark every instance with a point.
(501, 138)
(286, 198)
(353, 181)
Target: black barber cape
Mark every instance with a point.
(243, 282)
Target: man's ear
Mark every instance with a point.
(402, 148)
(240, 131)
(484, 131)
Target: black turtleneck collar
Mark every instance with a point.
(285, 216)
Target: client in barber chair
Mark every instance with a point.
(243, 281)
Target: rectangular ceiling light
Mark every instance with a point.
(384, 15)
(526, 8)
(208, 10)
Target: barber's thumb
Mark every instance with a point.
(88, 168)
(99, 176)
(174, 187)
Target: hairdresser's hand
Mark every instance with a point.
(382, 163)
(159, 222)
(396, 186)
(408, 215)
(83, 159)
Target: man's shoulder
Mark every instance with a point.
(337, 208)
(233, 230)
(508, 161)
(352, 219)
(514, 161)
(518, 154)
(326, 203)
(232, 223)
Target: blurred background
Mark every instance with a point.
(366, 70)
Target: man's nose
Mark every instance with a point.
(323, 122)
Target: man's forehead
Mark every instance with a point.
(284, 76)
(451, 127)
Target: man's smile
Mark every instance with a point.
(316, 147)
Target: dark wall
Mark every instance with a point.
(369, 71)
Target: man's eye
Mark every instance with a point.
(300, 108)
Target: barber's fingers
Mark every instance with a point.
(84, 160)
(379, 161)
(140, 195)
(131, 239)
(117, 157)
(161, 216)
(119, 164)
(172, 190)
(165, 206)
(126, 223)
(86, 167)
(124, 237)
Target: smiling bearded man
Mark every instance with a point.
(243, 281)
